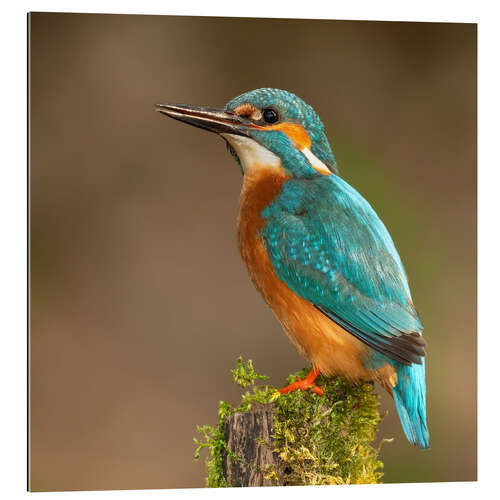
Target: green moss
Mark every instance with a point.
(320, 439)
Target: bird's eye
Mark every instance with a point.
(270, 115)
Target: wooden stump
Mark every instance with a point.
(318, 440)
(249, 438)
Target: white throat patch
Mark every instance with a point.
(251, 154)
(254, 156)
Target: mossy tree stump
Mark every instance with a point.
(294, 439)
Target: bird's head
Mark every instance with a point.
(265, 128)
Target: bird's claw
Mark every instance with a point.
(304, 384)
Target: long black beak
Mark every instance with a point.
(215, 120)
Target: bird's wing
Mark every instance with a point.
(329, 246)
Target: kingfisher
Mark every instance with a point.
(317, 252)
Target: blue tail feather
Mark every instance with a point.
(409, 396)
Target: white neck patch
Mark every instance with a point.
(254, 156)
(251, 154)
(315, 161)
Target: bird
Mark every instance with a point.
(317, 251)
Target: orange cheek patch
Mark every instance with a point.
(296, 133)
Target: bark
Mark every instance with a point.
(248, 436)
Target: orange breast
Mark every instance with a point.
(328, 346)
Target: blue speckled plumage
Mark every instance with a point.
(328, 245)
(296, 111)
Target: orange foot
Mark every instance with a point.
(304, 384)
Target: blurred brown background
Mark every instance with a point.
(139, 302)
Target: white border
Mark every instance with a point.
(13, 212)
(424, 10)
